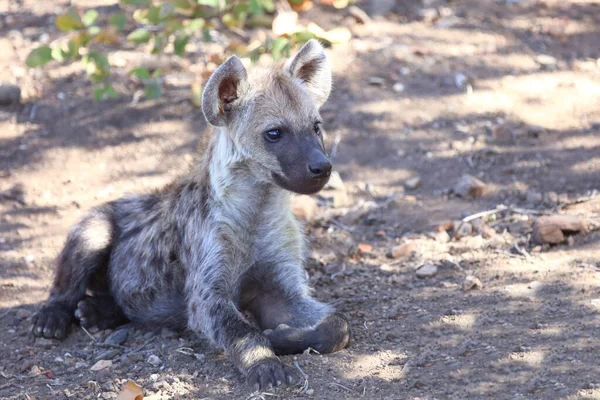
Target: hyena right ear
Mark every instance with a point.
(222, 90)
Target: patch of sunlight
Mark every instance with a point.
(524, 289)
(465, 321)
(552, 331)
(533, 358)
(585, 394)
(586, 166)
(387, 365)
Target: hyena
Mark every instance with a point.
(220, 242)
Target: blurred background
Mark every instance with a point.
(459, 233)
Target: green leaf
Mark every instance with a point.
(73, 49)
(39, 56)
(94, 30)
(140, 73)
(136, 2)
(280, 47)
(67, 23)
(90, 17)
(153, 91)
(195, 25)
(210, 3)
(156, 74)
(109, 91)
(183, 4)
(98, 93)
(268, 5)
(256, 7)
(118, 20)
(206, 35)
(196, 94)
(153, 15)
(139, 36)
(160, 42)
(179, 44)
(59, 54)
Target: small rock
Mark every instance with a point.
(398, 87)
(9, 94)
(552, 229)
(412, 183)
(376, 81)
(304, 207)
(462, 229)
(487, 232)
(503, 133)
(154, 360)
(427, 271)
(117, 337)
(35, 370)
(359, 15)
(471, 282)
(460, 80)
(442, 237)
(100, 365)
(364, 248)
(109, 386)
(108, 354)
(29, 259)
(403, 250)
(546, 61)
(469, 186)
(136, 356)
(45, 343)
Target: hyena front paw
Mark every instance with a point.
(52, 321)
(268, 373)
(99, 313)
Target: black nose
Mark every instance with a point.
(320, 168)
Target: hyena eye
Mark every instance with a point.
(317, 128)
(273, 135)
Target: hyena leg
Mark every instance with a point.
(99, 312)
(219, 319)
(85, 253)
(295, 323)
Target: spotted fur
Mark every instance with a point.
(219, 241)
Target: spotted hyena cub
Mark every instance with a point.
(221, 240)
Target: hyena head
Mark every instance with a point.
(272, 116)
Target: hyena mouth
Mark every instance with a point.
(304, 186)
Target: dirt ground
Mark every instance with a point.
(506, 91)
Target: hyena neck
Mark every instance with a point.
(233, 181)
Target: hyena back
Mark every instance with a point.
(220, 240)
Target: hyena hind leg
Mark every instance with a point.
(85, 254)
(99, 312)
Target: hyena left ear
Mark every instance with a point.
(311, 67)
(222, 90)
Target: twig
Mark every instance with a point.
(87, 333)
(305, 386)
(341, 226)
(137, 348)
(342, 386)
(484, 213)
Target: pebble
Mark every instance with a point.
(398, 87)
(551, 229)
(100, 365)
(403, 250)
(427, 271)
(471, 283)
(462, 229)
(45, 343)
(154, 360)
(9, 94)
(469, 186)
(412, 183)
(117, 337)
(108, 354)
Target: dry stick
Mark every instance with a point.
(342, 386)
(87, 333)
(305, 387)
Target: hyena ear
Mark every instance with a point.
(222, 90)
(311, 67)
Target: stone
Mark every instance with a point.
(100, 365)
(469, 186)
(403, 250)
(487, 232)
(44, 343)
(442, 237)
(503, 133)
(471, 282)
(359, 15)
(552, 229)
(364, 248)
(304, 207)
(462, 229)
(9, 94)
(108, 354)
(426, 271)
(154, 360)
(117, 338)
(412, 183)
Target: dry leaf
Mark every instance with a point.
(302, 6)
(131, 391)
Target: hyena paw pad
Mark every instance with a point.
(52, 321)
(269, 373)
